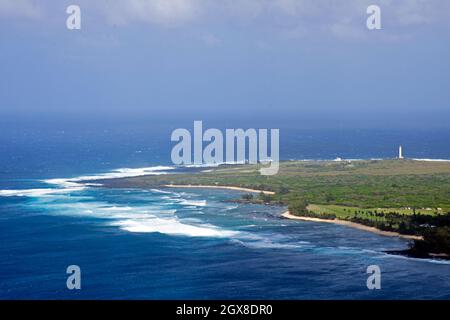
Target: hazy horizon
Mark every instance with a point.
(308, 64)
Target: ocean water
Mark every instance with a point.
(187, 243)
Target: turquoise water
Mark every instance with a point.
(176, 243)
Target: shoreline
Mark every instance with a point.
(217, 187)
(355, 225)
(290, 216)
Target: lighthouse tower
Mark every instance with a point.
(400, 152)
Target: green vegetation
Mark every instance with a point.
(248, 197)
(435, 240)
(402, 220)
(410, 197)
(392, 184)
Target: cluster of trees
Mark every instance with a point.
(405, 224)
(264, 197)
(374, 213)
(435, 240)
(261, 198)
(299, 207)
(248, 197)
(435, 229)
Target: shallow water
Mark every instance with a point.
(180, 244)
(190, 243)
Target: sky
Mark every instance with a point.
(293, 63)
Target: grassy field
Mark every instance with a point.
(405, 196)
(346, 212)
(390, 184)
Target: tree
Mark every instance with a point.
(283, 190)
(329, 197)
(298, 207)
(435, 240)
(247, 196)
(264, 197)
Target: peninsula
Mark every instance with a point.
(407, 198)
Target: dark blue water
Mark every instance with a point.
(180, 244)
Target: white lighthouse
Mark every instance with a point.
(400, 152)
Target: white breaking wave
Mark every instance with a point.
(139, 219)
(362, 159)
(36, 192)
(149, 218)
(142, 219)
(161, 191)
(75, 184)
(433, 160)
(194, 203)
(118, 173)
(173, 227)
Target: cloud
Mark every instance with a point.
(289, 18)
(417, 12)
(347, 19)
(20, 9)
(162, 12)
(210, 39)
(348, 31)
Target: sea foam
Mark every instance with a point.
(67, 185)
(173, 227)
(37, 192)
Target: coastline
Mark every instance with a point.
(290, 216)
(217, 187)
(355, 225)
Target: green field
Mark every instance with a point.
(393, 184)
(405, 196)
(346, 212)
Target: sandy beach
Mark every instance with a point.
(359, 226)
(217, 187)
(288, 215)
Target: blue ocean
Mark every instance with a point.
(188, 243)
